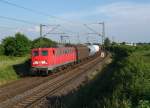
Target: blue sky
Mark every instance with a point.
(126, 20)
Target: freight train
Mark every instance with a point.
(45, 60)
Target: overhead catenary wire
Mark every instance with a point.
(40, 12)
(34, 11)
(6, 27)
(18, 20)
(94, 32)
(68, 30)
(43, 14)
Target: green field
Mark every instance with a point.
(125, 83)
(7, 68)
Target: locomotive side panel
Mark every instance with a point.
(45, 59)
(64, 55)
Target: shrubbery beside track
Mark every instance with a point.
(125, 83)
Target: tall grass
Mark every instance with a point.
(7, 71)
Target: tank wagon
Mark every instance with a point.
(93, 49)
(45, 60)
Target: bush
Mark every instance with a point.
(121, 51)
(123, 84)
(43, 43)
(9, 44)
(23, 44)
(2, 49)
(107, 42)
(16, 46)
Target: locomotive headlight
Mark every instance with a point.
(44, 62)
(35, 62)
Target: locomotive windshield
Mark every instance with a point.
(35, 53)
(44, 53)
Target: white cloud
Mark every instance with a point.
(126, 11)
(33, 29)
(114, 10)
(126, 21)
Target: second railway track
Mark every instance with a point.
(51, 87)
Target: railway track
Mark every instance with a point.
(33, 96)
(18, 87)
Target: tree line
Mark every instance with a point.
(20, 44)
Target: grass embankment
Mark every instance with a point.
(8, 68)
(125, 83)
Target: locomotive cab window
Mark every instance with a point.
(44, 53)
(35, 53)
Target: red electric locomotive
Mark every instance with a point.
(47, 59)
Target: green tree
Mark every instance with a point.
(1, 49)
(9, 44)
(123, 43)
(43, 43)
(16, 46)
(23, 44)
(114, 43)
(107, 42)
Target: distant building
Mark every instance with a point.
(130, 44)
